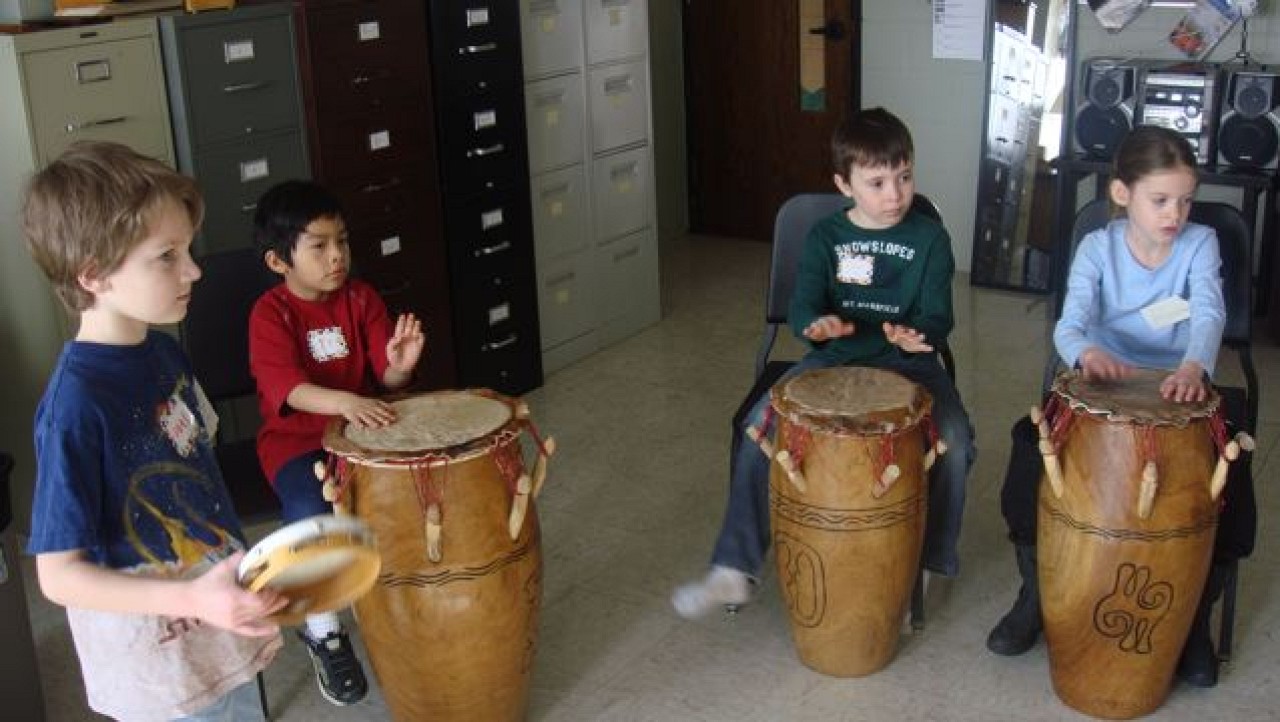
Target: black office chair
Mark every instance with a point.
(1240, 405)
(791, 226)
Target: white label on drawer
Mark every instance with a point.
(562, 296)
(235, 51)
(477, 17)
(498, 314)
(390, 245)
(549, 24)
(251, 170)
(553, 117)
(369, 31)
(557, 209)
(615, 16)
(624, 185)
(490, 219)
(379, 140)
(485, 119)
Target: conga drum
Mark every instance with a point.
(1127, 516)
(847, 498)
(452, 621)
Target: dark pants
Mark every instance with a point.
(300, 492)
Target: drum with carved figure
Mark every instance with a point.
(847, 497)
(1127, 515)
(452, 622)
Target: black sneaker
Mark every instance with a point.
(338, 671)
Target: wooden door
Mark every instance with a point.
(751, 145)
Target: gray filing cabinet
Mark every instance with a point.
(591, 172)
(100, 82)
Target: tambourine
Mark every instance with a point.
(320, 564)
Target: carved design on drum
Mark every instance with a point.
(532, 591)
(802, 576)
(829, 519)
(1207, 523)
(459, 574)
(1133, 609)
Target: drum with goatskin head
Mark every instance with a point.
(452, 622)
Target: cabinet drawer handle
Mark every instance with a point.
(617, 85)
(625, 169)
(482, 152)
(551, 97)
(614, 3)
(475, 49)
(490, 250)
(543, 7)
(360, 80)
(93, 71)
(496, 345)
(558, 189)
(242, 87)
(249, 208)
(379, 187)
(626, 254)
(73, 127)
(562, 278)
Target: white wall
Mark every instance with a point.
(941, 101)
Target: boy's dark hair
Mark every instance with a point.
(1150, 149)
(87, 209)
(873, 137)
(285, 211)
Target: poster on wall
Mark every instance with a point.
(959, 28)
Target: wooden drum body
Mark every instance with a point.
(451, 624)
(1126, 525)
(847, 498)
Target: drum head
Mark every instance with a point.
(852, 399)
(321, 564)
(427, 424)
(1136, 398)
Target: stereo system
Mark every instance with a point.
(1229, 113)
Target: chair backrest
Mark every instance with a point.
(790, 228)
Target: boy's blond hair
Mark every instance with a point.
(91, 206)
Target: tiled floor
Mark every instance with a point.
(636, 493)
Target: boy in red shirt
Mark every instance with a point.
(320, 345)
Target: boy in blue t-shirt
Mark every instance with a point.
(132, 526)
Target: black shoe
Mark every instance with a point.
(338, 671)
(1198, 665)
(1018, 630)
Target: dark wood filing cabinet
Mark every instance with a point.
(367, 94)
(484, 171)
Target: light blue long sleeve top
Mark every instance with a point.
(1107, 290)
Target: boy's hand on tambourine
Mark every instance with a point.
(217, 598)
(906, 338)
(828, 327)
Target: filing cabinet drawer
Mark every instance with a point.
(498, 336)
(238, 76)
(482, 142)
(554, 112)
(233, 177)
(397, 253)
(616, 29)
(110, 90)
(365, 146)
(475, 45)
(628, 269)
(565, 308)
(619, 100)
(620, 191)
(368, 55)
(551, 36)
(560, 221)
(490, 234)
(387, 194)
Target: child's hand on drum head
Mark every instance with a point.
(217, 598)
(1096, 363)
(405, 347)
(1185, 385)
(906, 338)
(828, 327)
(367, 413)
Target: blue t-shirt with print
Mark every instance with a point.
(125, 465)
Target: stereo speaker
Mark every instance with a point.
(1104, 116)
(1249, 130)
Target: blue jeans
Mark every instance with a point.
(300, 492)
(745, 534)
(239, 705)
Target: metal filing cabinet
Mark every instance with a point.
(479, 102)
(370, 120)
(588, 110)
(101, 82)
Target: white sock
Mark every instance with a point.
(320, 626)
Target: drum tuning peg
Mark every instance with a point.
(320, 470)
(1147, 493)
(1219, 478)
(433, 533)
(1245, 441)
(329, 491)
(1051, 467)
(766, 446)
(788, 465)
(1036, 415)
(886, 480)
(540, 466)
(519, 505)
(941, 447)
(930, 457)
(522, 410)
